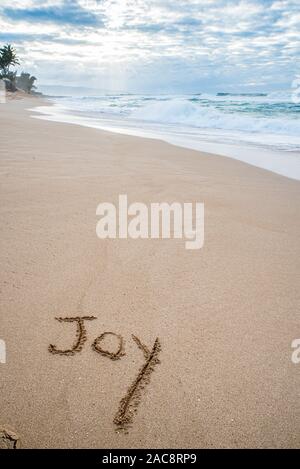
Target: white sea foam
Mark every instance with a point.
(262, 130)
(184, 112)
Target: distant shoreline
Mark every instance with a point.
(284, 163)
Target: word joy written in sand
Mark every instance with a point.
(129, 403)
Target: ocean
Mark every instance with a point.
(262, 129)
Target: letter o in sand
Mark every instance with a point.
(112, 355)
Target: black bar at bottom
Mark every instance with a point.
(139, 457)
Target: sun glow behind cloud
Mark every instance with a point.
(156, 45)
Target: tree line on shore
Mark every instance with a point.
(12, 81)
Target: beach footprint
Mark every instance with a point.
(8, 439)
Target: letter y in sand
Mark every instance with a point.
(129, 403)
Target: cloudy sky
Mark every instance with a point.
(156, 45)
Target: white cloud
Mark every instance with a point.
(143, 43)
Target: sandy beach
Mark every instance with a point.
(225, 315)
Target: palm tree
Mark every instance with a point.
(8, 57)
